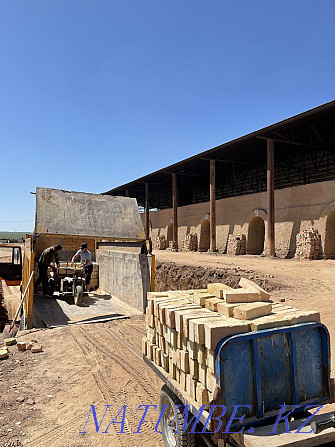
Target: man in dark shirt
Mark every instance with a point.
(43, 263)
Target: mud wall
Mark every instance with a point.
(97, 215)
(296, 209)
(125, 275)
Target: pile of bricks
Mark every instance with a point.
(308, 244)
(183, 329)
(237, 244)
(161, 243)
(172, 246)
(191, 242)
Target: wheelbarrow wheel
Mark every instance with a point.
(78, 295)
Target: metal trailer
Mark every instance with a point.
(264, 369)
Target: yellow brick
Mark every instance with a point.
(227, 309)
(201, 298)
(182, 380)
(268, 322)
(202, 374)
(211, 381)
(212, 304)
(302, 317)
(184, 361)
(198, 313)
(179, 315)
(144, 345)
(202, 395)
(170, 314)
(217, 289)
(248, 284)
(194, 369)
(202, 354)
(216, 331)
(241, 296)
(191, 332)
(210, 359)
(252, 310)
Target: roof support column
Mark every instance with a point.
(147, 228)
(270, 197)
(127, 192)
(212, 207)
(175, 209)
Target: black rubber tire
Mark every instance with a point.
(79, 292)
(51, 286)
(180, 439)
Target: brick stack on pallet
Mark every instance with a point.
(237, 244)
(191, 242)
(308, 244)
(183, 329)
(161, 243)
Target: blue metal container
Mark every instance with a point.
(270, 368)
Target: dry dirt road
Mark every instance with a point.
(82, 365)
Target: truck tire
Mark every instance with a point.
(78, 295)
(170, 438)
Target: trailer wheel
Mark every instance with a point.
(78, 295)
(175, 416)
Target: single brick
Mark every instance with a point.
(252, 310)
(248, 284)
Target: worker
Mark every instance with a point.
(43, 263)
(85, 262)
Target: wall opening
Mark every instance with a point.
(330, 237)
(204, 242)
(169, 233)
(256, 236)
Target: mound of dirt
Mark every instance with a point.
(171, 276)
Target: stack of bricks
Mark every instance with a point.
(161, 243)
(172, 246)
(67, 268)
(191, 242)
(183, 329)
(237, 244)
(308, 244)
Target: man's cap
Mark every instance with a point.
(58, 247)
(83, 245)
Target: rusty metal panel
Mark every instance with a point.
(83, 214)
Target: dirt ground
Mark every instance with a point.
(46, 397)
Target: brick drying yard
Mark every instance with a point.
(46, 397)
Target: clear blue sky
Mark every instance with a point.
(95, 93)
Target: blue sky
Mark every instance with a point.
(97, 93)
